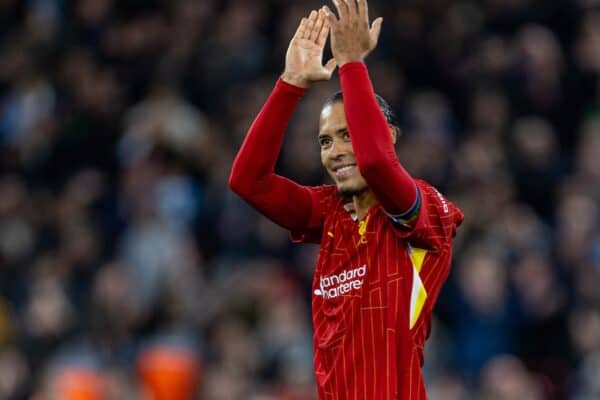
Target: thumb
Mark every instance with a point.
(330, 66)
(375, 30)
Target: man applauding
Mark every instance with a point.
(385, 237)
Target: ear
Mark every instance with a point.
(394, 133)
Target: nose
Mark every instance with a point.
(337, 149)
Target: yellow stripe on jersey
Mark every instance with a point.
(417, 257)
(418, 294)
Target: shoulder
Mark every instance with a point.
(439, 207)
(326, 191)
(436, 223)
(324, 196)
(433, 196)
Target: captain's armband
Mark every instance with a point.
(408, 219)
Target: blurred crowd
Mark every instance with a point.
(129, 271)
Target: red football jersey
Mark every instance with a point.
(374, 289)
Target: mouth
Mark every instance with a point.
(342, 171)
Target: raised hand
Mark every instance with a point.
(351, 37)
(304, 58)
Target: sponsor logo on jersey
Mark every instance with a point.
(332, 286)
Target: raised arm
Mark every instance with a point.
(252, 176)
(351, 41)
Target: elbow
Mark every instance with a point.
(236, 183)
(244, 185)
(233, 184)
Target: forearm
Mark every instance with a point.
(256, 158)
(252, 175)
(372, 142)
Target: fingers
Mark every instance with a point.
(318, 28)
(310, 24)
(342, 8)
(331, 17)
(322, 38)
(363, 9)
(352, 8)
(301, 29)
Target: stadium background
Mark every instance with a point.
(127, 268)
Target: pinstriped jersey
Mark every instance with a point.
(374, 288)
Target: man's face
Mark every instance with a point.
(337, 154)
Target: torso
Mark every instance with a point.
(373, 293)
(361, 316)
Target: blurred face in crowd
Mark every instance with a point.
(337, 155)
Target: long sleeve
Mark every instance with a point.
(252, 175)
(373, 147)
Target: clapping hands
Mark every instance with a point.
(351, 40)
(351, 37)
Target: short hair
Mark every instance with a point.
(386, 109)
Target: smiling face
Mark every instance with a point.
(337, 154)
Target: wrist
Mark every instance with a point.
(295, 80)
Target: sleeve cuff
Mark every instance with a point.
(355, 65)
(288, 87)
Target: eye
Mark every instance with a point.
(346, 136)
(324, 142)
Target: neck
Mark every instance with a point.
(362, 202)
